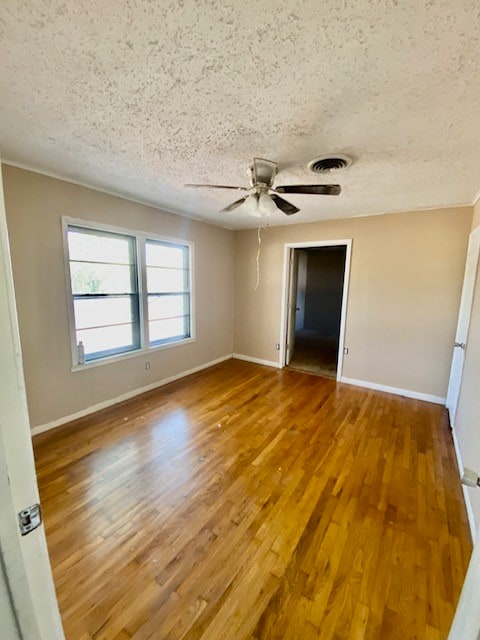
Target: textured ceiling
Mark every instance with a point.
(138, 97)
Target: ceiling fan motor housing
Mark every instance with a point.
(263, 172)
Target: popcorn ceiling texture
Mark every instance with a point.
(139, 97)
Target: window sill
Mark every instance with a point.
(129, 354)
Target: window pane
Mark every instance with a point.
(165, 280)
(101, 278)
(107, 339)
(100, 246)
(165, 329)
(165, 255)
(97, 312)
(167, 306)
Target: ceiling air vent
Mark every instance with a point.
(325, 164)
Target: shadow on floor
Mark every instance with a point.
(314, 353)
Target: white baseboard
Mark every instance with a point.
(125, 396)
(466, 494)
(398, 392)
(268, 363)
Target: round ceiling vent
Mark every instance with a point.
(325, 164)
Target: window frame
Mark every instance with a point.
(141, 238)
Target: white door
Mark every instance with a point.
(301, 289)
(25, 568)
(7, 613)
(466, 623)
(463, 324)
(292, 305)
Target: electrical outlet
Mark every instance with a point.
(147, 366)
(277, 346)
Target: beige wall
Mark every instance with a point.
(476, 215)
(34, 205)
(405, 284)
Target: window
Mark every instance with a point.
(105, 292)
(108, 271)
(168, 290)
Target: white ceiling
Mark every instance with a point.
(138, 97)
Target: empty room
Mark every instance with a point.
(239, 320)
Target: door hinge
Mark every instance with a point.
(461, 345)
(29, 519)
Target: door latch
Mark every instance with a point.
(29, 519)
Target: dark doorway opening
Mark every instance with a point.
(320, 275)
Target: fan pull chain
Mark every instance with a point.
(260, 229)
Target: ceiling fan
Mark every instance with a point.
(263, 198)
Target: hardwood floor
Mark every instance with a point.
(315, 354)
(246, 503)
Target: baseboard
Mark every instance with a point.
(466, 495)
(125, 396)
(398, 392)
(267, 363)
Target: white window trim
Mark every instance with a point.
(140, 239)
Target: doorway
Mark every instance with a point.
(315, 292)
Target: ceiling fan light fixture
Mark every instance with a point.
(267, 205)
(252, 206)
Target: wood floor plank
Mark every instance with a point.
(249, 503)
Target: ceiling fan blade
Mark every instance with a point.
(320, 189)
(234, 205)
(264, 171)
(215, 186)
(283, 205)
